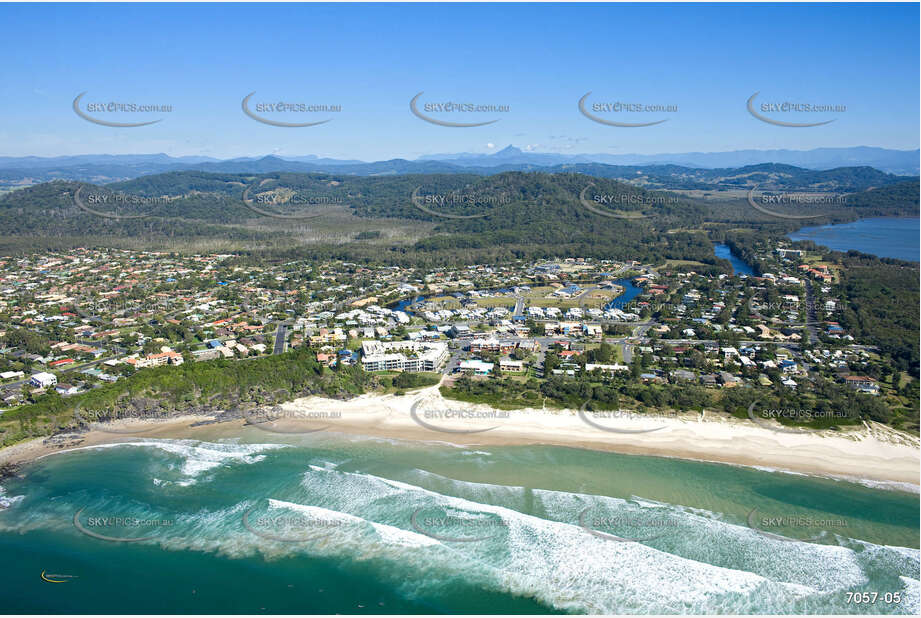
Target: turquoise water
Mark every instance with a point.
(739, 267)
(340, 524)
(880, 236)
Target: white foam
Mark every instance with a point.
(777, 470)
(399, 536)
(910, 488)
(874, 484)
(911, 595)
(549, 558)
(216, 531)
(326, 467)
(563, 565)
(8, 501)
(689, 532)
(198, 456)
(703, 536)
(317, 512)
(387, 533)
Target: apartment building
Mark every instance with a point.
(492, 345)
(156, 360)
(412, 356)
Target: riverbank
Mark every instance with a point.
(872, 453)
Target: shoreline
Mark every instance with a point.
(874, 455)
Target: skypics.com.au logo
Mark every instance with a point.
(605, 204)
(624, 421)
(277, 419)
(768, 204)
(454, 526)
(142, 424)
(629, 527)
(763, 417)
(305, 523)
(276, 201)
(95, 110)
(120, 206)
(455, 109)
(106, 205)
(789, 309)
(449, 205)
(792, 107)
(616, 109)
(796, 527)
(455, 421)
(258, 110)
(122, 524)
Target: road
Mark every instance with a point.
(280, 341)
(812, 333)
(454, 361)
(627, 352)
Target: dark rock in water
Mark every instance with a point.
(210, 421)
(64, 440)
(8, 470)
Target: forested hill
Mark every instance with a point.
(770, 176)
(219, 198)
(469, 215)
(529, 213)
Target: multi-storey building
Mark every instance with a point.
(412, 356)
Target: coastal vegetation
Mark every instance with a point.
(191, 388)
(820, 409)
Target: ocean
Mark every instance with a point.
(328, 523)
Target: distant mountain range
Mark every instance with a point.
(694, 170)
(902, 162)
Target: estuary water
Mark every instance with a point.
(739, 267)
(880, 236)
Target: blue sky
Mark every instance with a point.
(538, 59)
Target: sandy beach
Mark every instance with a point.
(872, 452)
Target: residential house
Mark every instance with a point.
(43, 380)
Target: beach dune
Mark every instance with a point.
(871, 452)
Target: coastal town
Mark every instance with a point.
(588, 309)
(71, 322)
